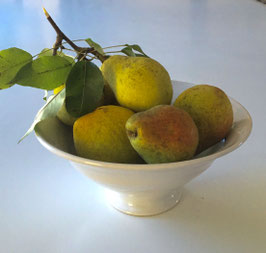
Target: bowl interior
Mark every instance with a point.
(58, 138)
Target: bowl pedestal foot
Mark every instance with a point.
(145, 203)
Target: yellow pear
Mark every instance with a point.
(211, 110)
(138, 83)
(101, 135)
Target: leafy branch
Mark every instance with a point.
(51, 68)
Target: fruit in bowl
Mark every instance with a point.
(127, 136)
(200, 117)
(143, 189)
(163, 134)
(138, 83)
(211, 110)
(100, 135)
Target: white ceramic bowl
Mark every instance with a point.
(143, 189)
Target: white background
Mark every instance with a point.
(48, 207)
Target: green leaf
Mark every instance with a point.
(128, 51)
(141, 55)
(138, 49)
(95, 45)
(47, 72)
(11, 61)
(49, 52)
(84, 88)
(49, 110)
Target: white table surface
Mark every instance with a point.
(46, 206)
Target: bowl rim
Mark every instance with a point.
(149, 167)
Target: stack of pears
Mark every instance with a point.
(137, 123)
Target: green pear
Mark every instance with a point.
(210, 109)
(163, 134)
(64, 116)
(101, 135)
(138, 83)
(106, 99)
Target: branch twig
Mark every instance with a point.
(61, 36)
(57, 44)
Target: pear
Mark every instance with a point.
(138, 83)
(101, 135)
(106, 99)
(64, 116)
(163, 134)
(211, 110)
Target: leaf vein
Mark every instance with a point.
(16, 65)
(83, 89)
(54, 69)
